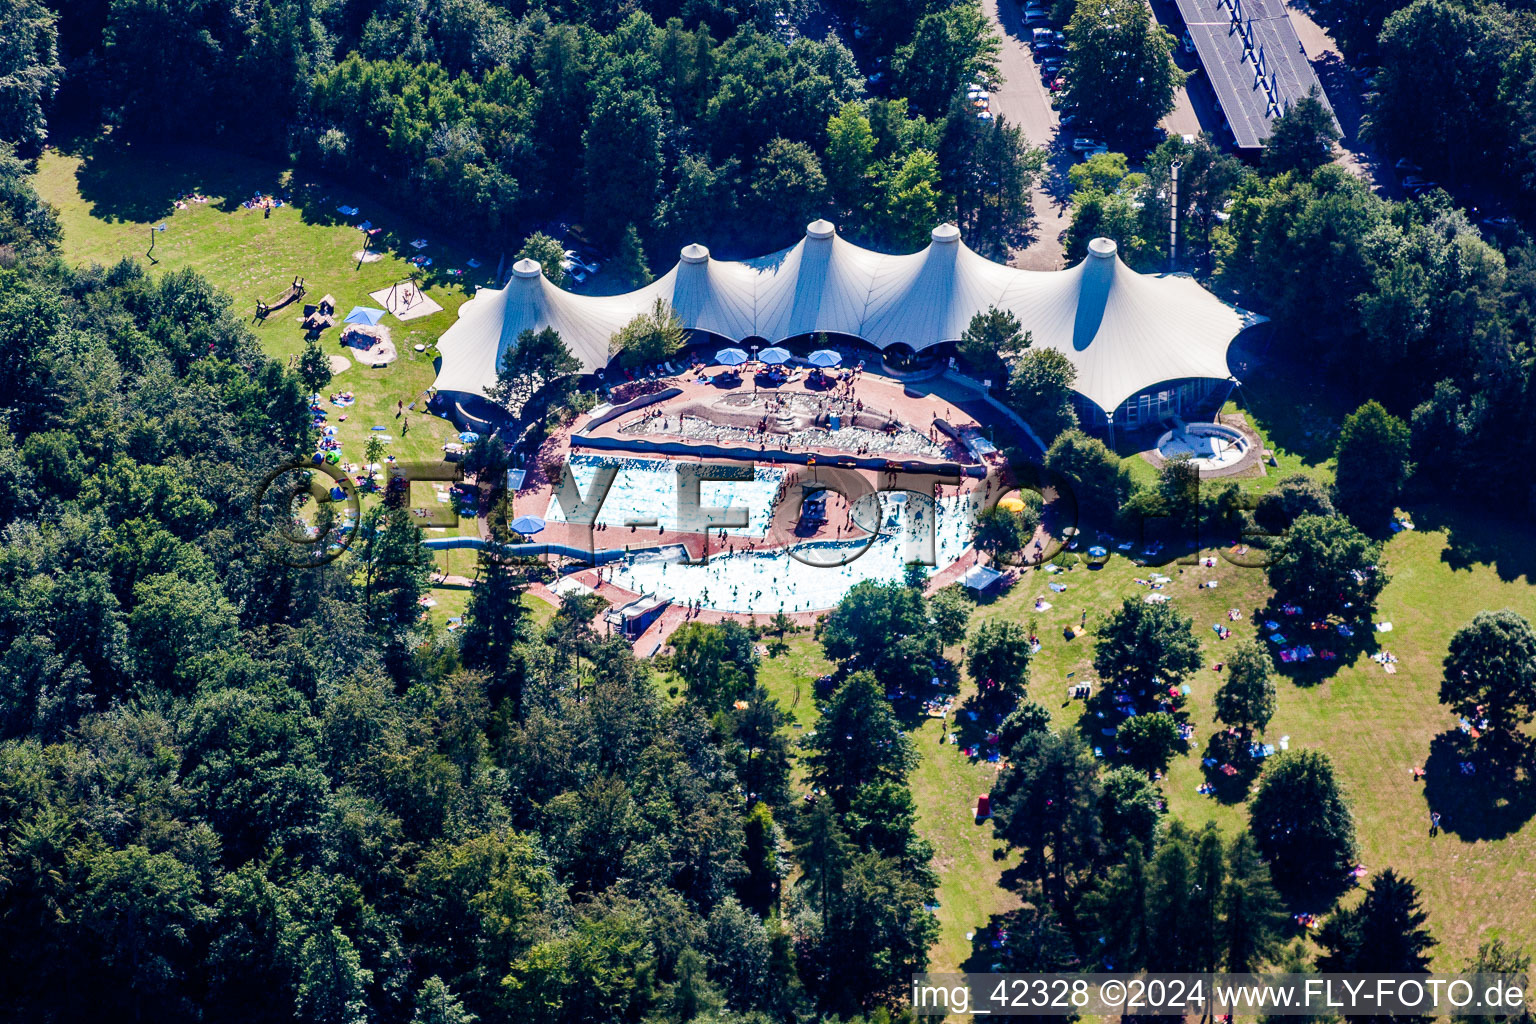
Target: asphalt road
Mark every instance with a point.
(1025, 102)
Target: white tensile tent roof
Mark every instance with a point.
(1124, 331)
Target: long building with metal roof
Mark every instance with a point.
(1123, 331)
(1255, 61)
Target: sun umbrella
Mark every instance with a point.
(1097, 552)
(1011, 505)
(774, 356)
(730, 357)
(527, 525)
(824, 357)
(365, 315)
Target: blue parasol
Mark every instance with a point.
(774, 356)
(364, 315)
(730, 357)
(527, 525)
(825, 358)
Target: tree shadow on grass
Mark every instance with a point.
(1474, 537)
(1028, 939)
(140, 182)
(1330, 649)
(1229, 767)
(1491, 801)
(1290, 405)
(1100, 722)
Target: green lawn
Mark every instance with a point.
(111, 198)
(790, 678)
(1477, 877)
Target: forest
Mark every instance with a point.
(237, 788)
(695, 121)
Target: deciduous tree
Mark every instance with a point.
(651, 337)
(1327, 567)
(1302, 138)
(1246, 698)
(1123, 75)
(997, 657)
(1040, 390)
(1146, 648)
(1490, 671)
(1371, 465)
(1302, 824)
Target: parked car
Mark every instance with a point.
(1082, 144)
(1414, 181)
(1034, 16)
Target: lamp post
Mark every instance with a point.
(1173, 216)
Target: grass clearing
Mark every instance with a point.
(111, 198)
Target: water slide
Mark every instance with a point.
(525, 550)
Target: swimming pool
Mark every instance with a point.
(1208, 445)
(646, 491)
(770, 582)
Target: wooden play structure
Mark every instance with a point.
(319, 317)
(295, 290)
